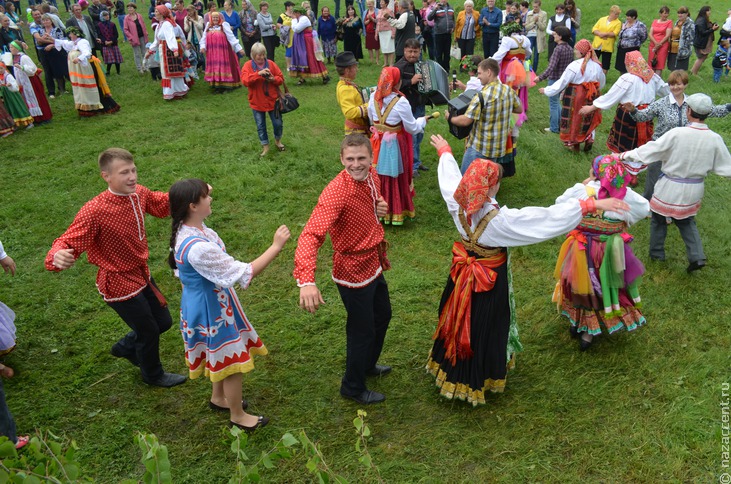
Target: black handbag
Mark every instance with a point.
(285, 103)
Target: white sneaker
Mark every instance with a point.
(51, 97)
(547, 130)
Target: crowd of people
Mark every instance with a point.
(476, 337)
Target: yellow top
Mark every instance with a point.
(287, 20)
(352, 105)
(604, 25)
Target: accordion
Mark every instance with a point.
(434, 83)
(459, 106)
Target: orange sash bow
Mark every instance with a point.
(469, 274)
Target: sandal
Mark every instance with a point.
(22, 441)
(281, 147)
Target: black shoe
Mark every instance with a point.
(167, 380)
(574, 331)
(657, 259)
(325, 80)
(379, 370)
(260, 423)
(218, 408)
(696, 266)
(367, 397)
(423, 168)
(118, 353)
(584, 344)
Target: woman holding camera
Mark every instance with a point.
(703, 41)
(262, 77)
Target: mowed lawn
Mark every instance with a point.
(641, 407)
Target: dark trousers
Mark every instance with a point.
(442, 44)
(429, 42)
(271, 42)
(148, 320)
(369, 312)
(490, 43)
(7, 424)
(467, 46)
(688, 231)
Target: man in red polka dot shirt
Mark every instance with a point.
(110, 228)
(348, 209)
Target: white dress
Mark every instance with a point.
(172, 87)
(22, 75)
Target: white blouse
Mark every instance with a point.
(82, 45)
(10, 82)
(298, 25)
(573, 75)
(512, 42)
(631, 88)
(401, 113)
(211, 261)
(166, 32)
(639, 207)
(511, 227)
(232, 40)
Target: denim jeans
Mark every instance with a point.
(470, 155)
(717, 74)
(554, 108)
(534, 49)
(120, 19)
(261, 126)
(418, 111)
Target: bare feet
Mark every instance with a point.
(264, 151)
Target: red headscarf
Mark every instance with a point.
(166, 13)
(612, 175)
(637, 65)
(471, 193)
(388, 82)
(584, 47)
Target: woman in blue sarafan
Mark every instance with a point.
(219, 340)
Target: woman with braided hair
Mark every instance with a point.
(91, 91)
(220, 342)
(597, 273)
(476, 338)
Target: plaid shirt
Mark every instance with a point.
(491, 128)
(563, 55)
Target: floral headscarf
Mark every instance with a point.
(637, 65)
(612, 176)
(471, 193)
(388, 82)
(584, 47)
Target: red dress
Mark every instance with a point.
(658, 30)
(371, 38)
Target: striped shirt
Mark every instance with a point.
(491, 121)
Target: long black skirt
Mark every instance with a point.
(469, 379)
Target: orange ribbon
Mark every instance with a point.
(469, 274)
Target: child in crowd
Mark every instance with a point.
(469, 64)
(720, 59)
(152, 64)
(191, 72)
(219, 340)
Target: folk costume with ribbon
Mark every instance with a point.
(597, 273)
(477, 337)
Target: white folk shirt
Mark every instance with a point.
(573, 75)
(511, 227)
(630, 88)
(688, 155)
(639, 207)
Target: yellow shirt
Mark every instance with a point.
(352, 105)
(287, 20)
(604, 25)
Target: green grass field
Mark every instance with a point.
(641, 407)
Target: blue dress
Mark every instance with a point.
(219, 340)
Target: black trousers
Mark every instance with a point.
(466, 46)
(490, 43)
(369, 312)
(148, 320)
(270, 42)
(443, 44)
